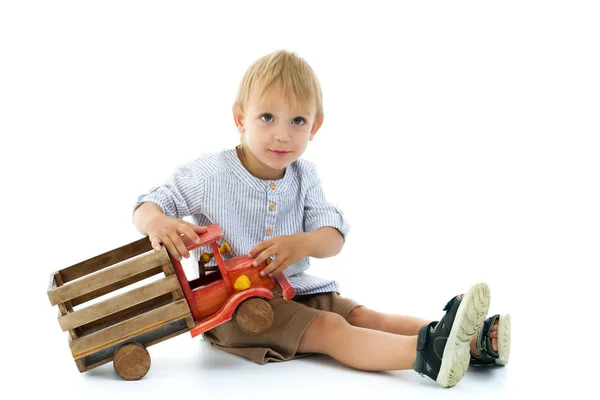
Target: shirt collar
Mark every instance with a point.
(264, 186)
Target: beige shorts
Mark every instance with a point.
(279, 342)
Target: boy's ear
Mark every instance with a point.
(238, 117)
(316, 126)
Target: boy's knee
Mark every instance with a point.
(323, 329)
(360, 316)
(330, 322)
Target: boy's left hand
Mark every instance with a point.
(288, 249)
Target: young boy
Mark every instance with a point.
(269, 203)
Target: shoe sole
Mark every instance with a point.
(503, 339)
(470, 317)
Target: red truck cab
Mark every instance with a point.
(214, 298)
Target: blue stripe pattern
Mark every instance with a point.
(217, 189)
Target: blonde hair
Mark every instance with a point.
(283, 69)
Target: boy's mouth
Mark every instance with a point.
(280, 151)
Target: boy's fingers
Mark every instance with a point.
(196, 228)
(274, 267)
(179, 245)
(258, 248)
(171, 248)
(156, 243)
(262, 257)
(200, 229)
(280, 269)
(190, 233)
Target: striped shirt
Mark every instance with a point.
(217, 189)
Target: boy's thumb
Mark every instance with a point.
(200, 229)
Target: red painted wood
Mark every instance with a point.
(221, 264)
(210, 298)
(226, 312)
(187, 292)
(214, 303)
(242, 265)
(286, 286)
(212, 234)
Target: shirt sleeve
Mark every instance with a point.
(180, 196)
(319, 212)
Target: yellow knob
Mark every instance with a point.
(205, 257)
(242, 283)
(224, 249)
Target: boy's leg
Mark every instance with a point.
(393, 323)
(357, 347)
(405, 325)
(440, 350)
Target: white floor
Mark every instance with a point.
(186, 366)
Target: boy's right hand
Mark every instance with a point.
(166, 230)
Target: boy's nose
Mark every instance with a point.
(282, 135)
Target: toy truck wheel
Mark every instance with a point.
(254, 316)
(131, 361)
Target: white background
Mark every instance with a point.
(460, 140)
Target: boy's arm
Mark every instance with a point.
(324, 224)
(159, 212)
(324, 242)
(181, 196)
(144, 214)
(164, 230)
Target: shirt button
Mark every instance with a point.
(269, 231)
(273, 186)
(271, 207)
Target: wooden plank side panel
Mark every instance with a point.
(115, 286)
(165, 332)
(126, 314)
(128, 329)
(108, 276)
(119, 303)
(106, 259)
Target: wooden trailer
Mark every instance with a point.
(121, 327)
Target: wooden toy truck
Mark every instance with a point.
(121, 327)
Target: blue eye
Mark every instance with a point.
(298, 121)
(267, 118)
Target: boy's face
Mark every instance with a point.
(276, 131)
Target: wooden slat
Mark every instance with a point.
(59, 282)
(168, 268)
(119, 303)
(124, 315)
(111, 275)
(115, 286)
(127, 329)
(106, 259)
(65, 307)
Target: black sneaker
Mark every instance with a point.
(443, 348)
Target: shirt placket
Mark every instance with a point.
(271, 208)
